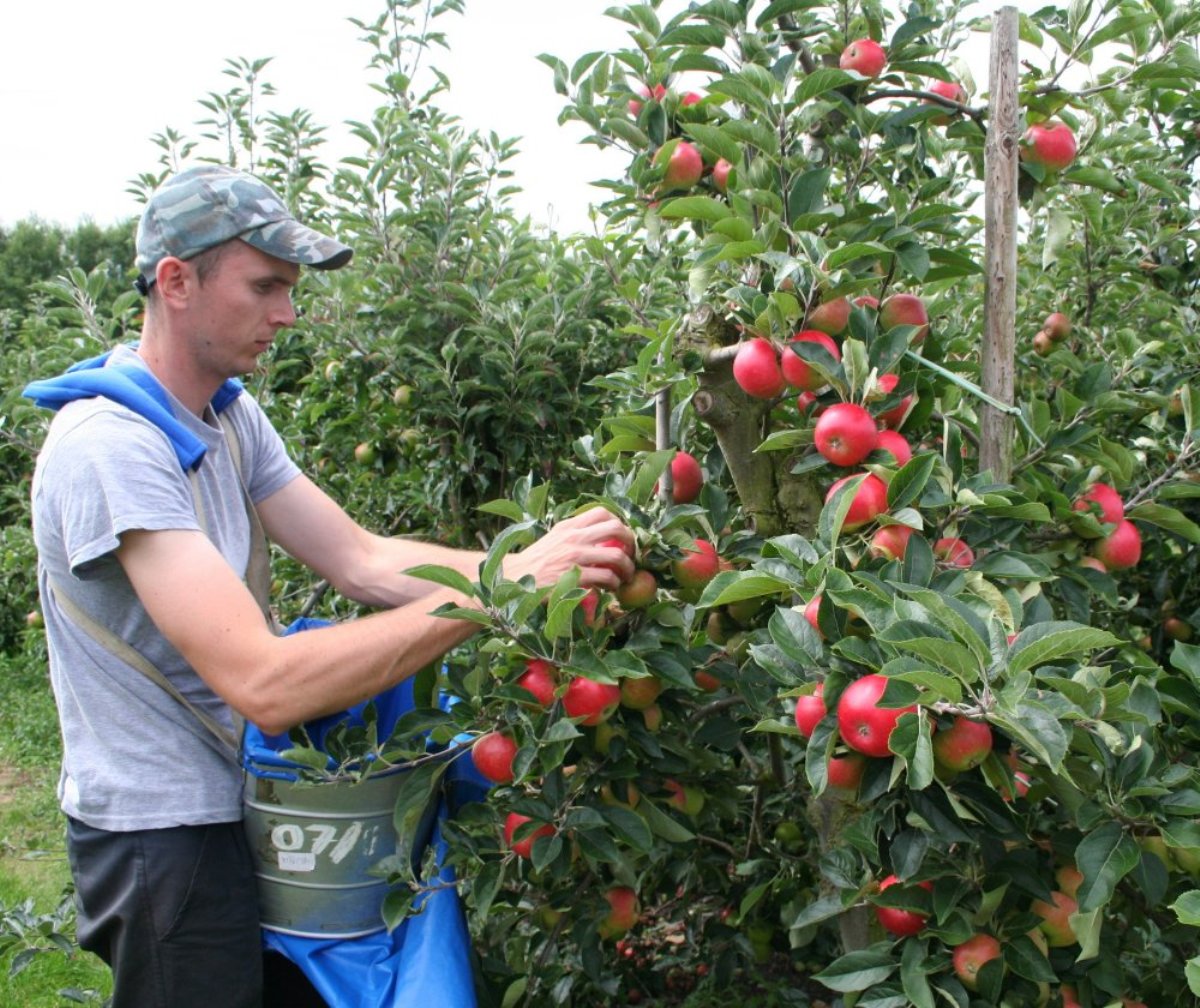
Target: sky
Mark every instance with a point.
(85, 85)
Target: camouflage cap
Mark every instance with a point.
(204, 206)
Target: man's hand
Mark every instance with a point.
(578, 542)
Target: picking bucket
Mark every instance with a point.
(314, 846)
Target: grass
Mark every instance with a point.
(34, 879)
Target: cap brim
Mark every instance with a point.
(292, 241)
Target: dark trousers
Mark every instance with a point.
(174, 913)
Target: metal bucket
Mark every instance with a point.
(314, 846)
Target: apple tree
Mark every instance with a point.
(1002, 754)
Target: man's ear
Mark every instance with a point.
(174, 279)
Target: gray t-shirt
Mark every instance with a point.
(134, 757)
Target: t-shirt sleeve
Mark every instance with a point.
(116, 474)
(266, 465)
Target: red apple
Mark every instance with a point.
(686, 478)
(946, 89)
(622, 914)
(1177, 629)
(865, 56)
(954, 552)
(698, 566)
(539, 679)
(845, 434)
(706, 681)
(1057, 326)
(870, 500)
(810, 613)
(905, 309)
(810, 708)
(846, 772)
(590, 700)
(962, 746)
(689, 800)
(970, 956)
(797, 372)
(720, 174)
(524, 846)
(658, 94)
(1054, 914)
(1069, 879)
(902, 923)
(690, 98)
(756, 369)
(1108, 503)
(831, 317)
(862, 723)
(684, 165)
(1121, 548)
(890, 541)
(893, 418)
(1042, 343)
(895, 444)
(1050, 144)
(493, 756)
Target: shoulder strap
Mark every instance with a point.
(135, 659)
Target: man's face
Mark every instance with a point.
(239, 308)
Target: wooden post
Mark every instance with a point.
(1000, 247)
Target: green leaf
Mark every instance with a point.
(856, 971)
(1105, 856)
(909, 483)
(662, 825)
(807, 194)
(703, 208)
(1051, 641)
(820, 82)
(445, 576)
(914, 975)
(1165, 518)
(1187, 908)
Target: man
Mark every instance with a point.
(164, 880)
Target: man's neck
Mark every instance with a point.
(178, 375)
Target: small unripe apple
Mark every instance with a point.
(1057, 326)
(639, 591)
(638, 694)
(1042, 343)
(364, 453)
(1054, 914)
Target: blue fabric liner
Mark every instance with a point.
(133, 387)
(426, 961)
